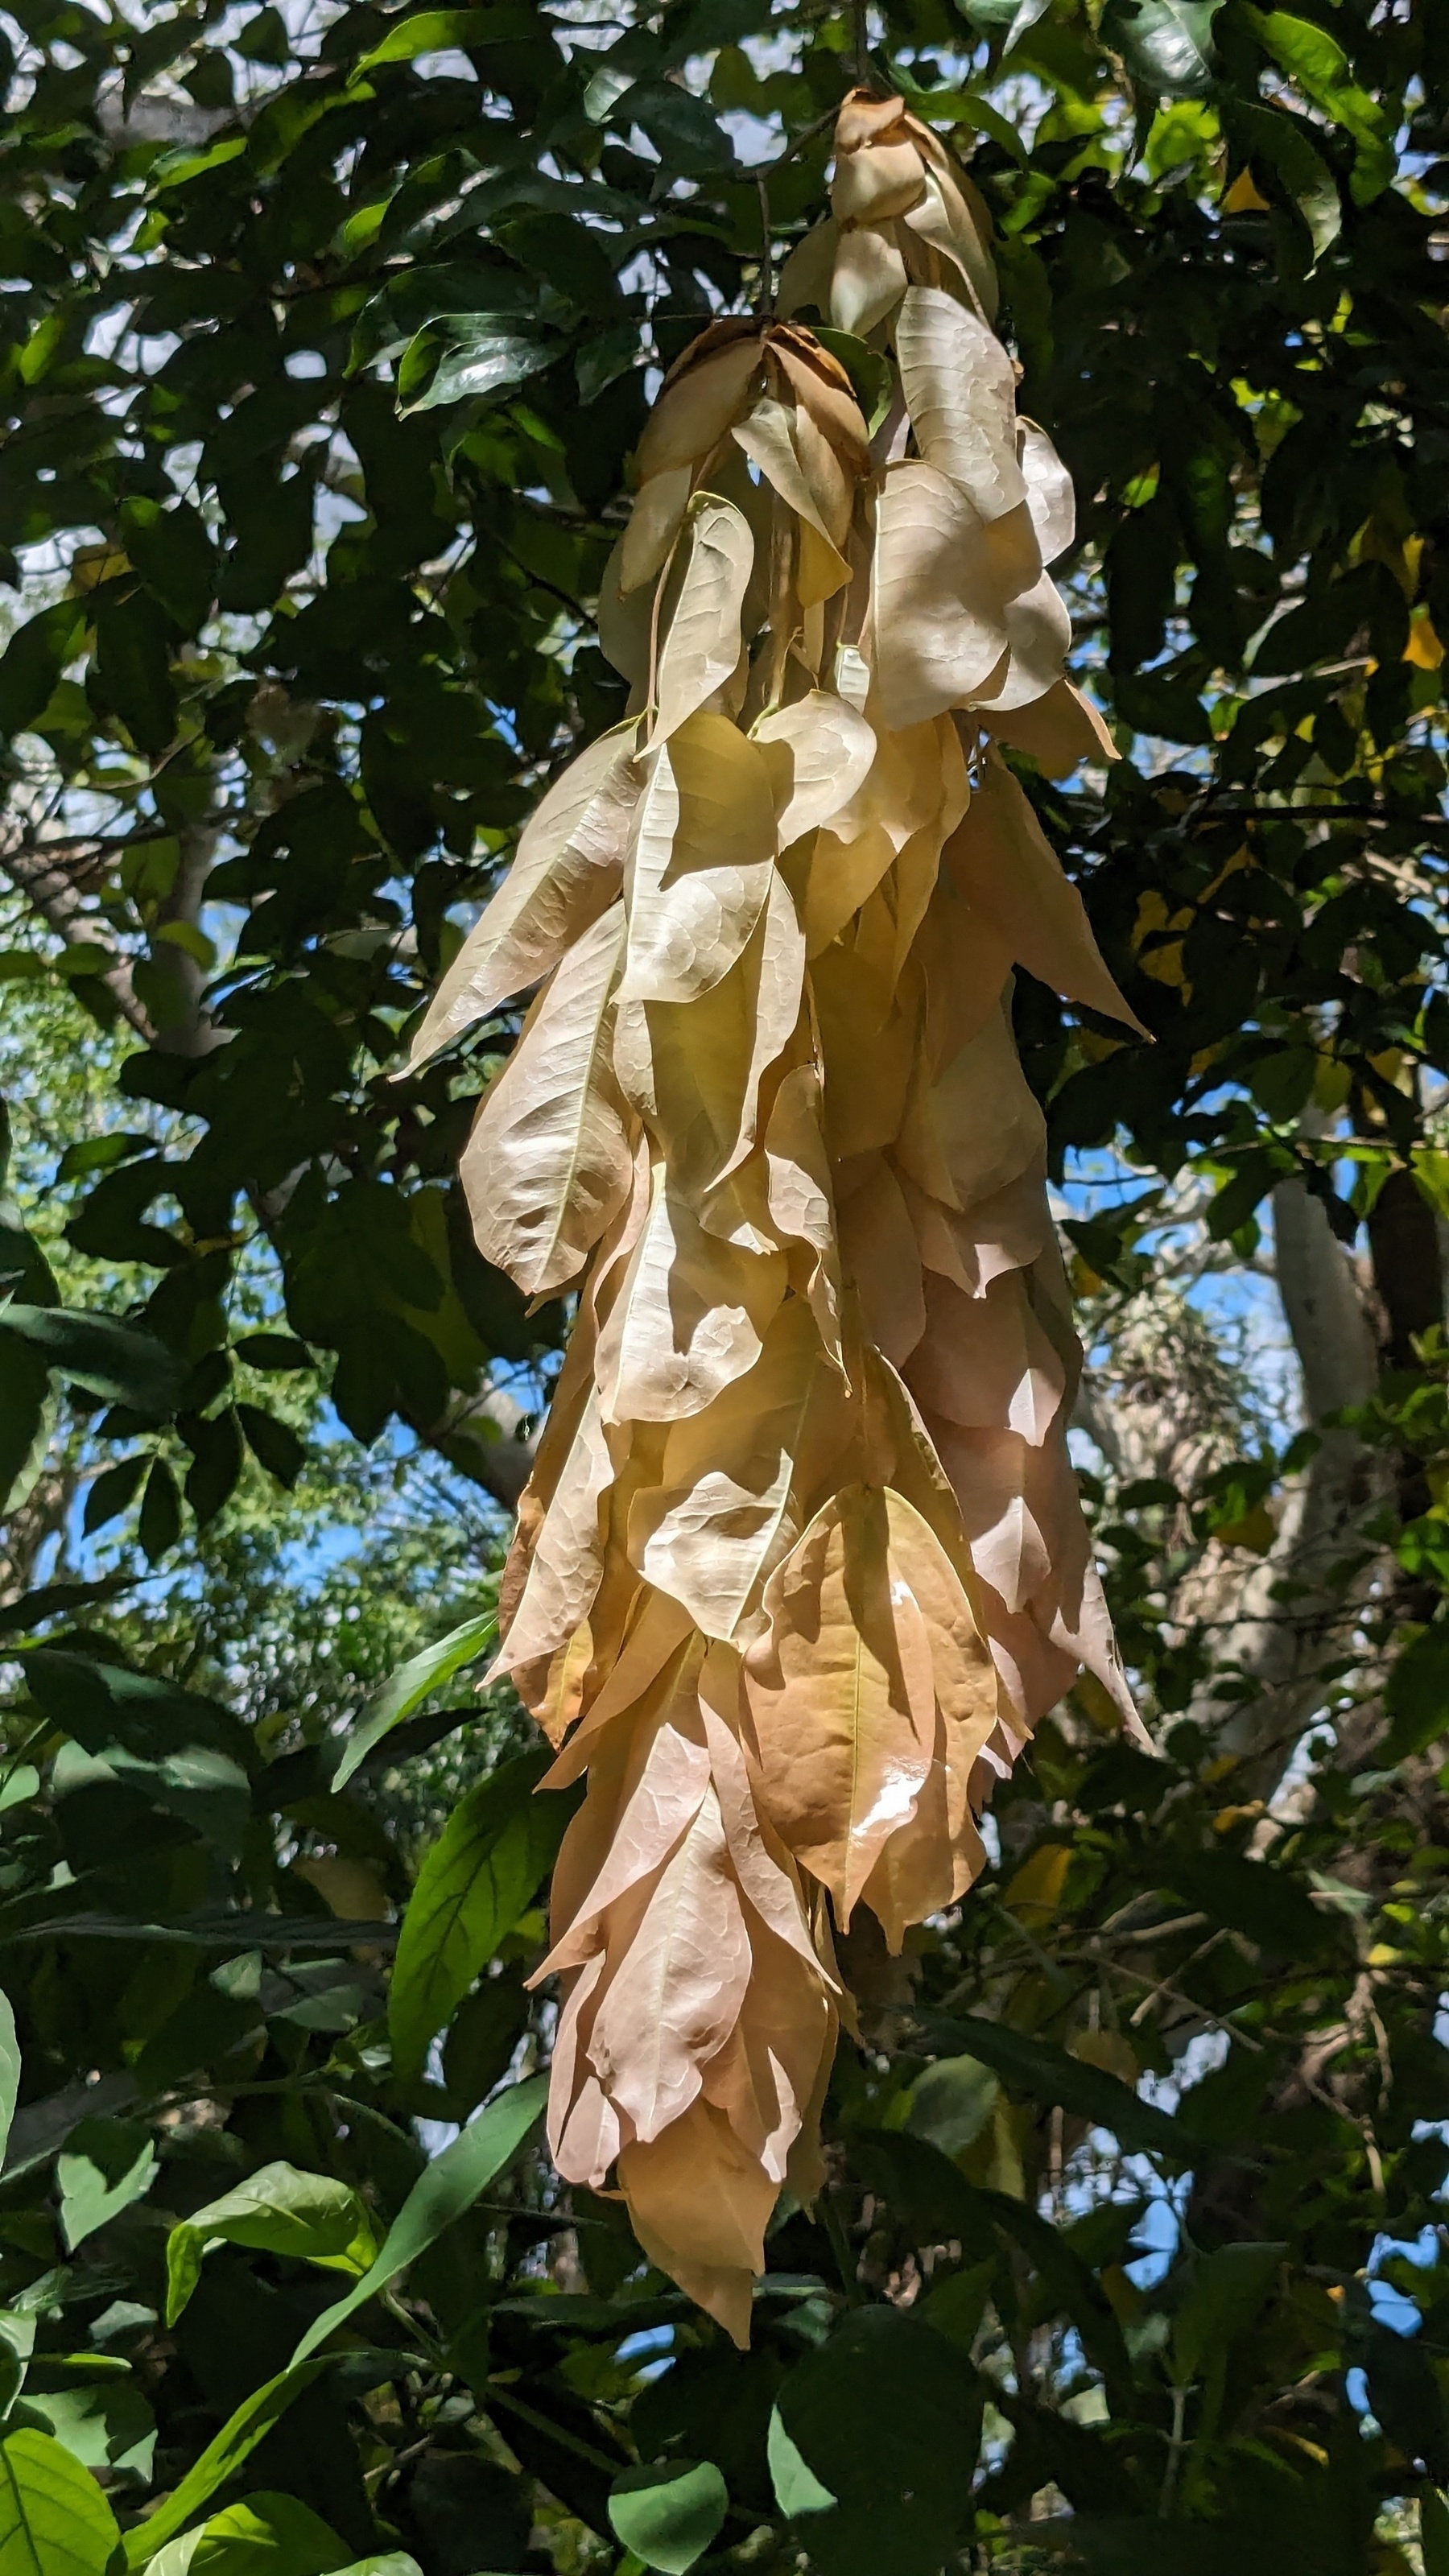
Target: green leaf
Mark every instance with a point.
(24, 1419)
(173, 555)
(885, 2416)
(101, 1354)
(158, 1526)
(1051, 2074)
(104, 2166)
(1224, 2294)
(111, 1492)
(449, 2187)
(54, 2520)
(410, 1685)
(951, 2103)
(250, 2424)
(273, 1444)
(1008, 19)
(9, 2069)
(1166, 45)
(1434, 2532)
(475, 1883)
(1417, 1696)
(266, 2535)
(33, 661)
(669, 2515)
(1281, 151)
(276, 2211)
(469, 358)
(446, 31)
(797, 2489)
(106, 2425)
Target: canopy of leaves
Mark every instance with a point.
(325, 346)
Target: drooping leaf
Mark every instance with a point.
(449, 2187)
(412, 1683)
(100, 1353)
(476, 1881)
(669, 2515)
(277, 2210)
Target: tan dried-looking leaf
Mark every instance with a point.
(985, 1362)
(698, 2203)
(819, 752)
(565, 872)
(766, 435)
(654, 524)
(689, 1319)
(550, 1161)
(1057, 731)
(961, 395)
(676, 1993)
(701, 649)
(880, 1258)
(693, 1070)
(699, 399)
(840, 1696)
(721, 1514)
(700, 864)
(1011, 876)
(938, 619)
(1049, 494)
(965, 1135)
(868, 279)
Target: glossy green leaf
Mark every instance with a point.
(1434, 2531)
(9, 2068)
(671, 2514)
(469, 358)
(100, 1353)
(884, 2416)
(278, 2210)
(476, 1881)
(450, 2186)
(412, 1683)
(54, 2520)
(1051, 2074)
(224, 2455)
(104, 2166)
(266, 2535)
(439, 31)
(1165, 44)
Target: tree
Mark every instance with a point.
(326, 358)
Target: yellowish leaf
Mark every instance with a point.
(977, 1127)
(550, 1159)
(818, 752)
(701, 647)
(960, 392)
(1012, 877)
(688, 1320)
(700, 862)
(937, 612)
(721, 1514)
(1049, 494)
(566, 872)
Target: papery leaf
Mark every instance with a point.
(819, 753)
(1009, 874)
(709, 1532)
(549, 1160)
(700, 861)
(565, 873)
(938, 603)
(960, 392)
(688, 1319)
(701, 648)
(693, 1070)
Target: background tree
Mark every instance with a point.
(327, 342)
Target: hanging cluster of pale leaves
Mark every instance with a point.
(802, 1561)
